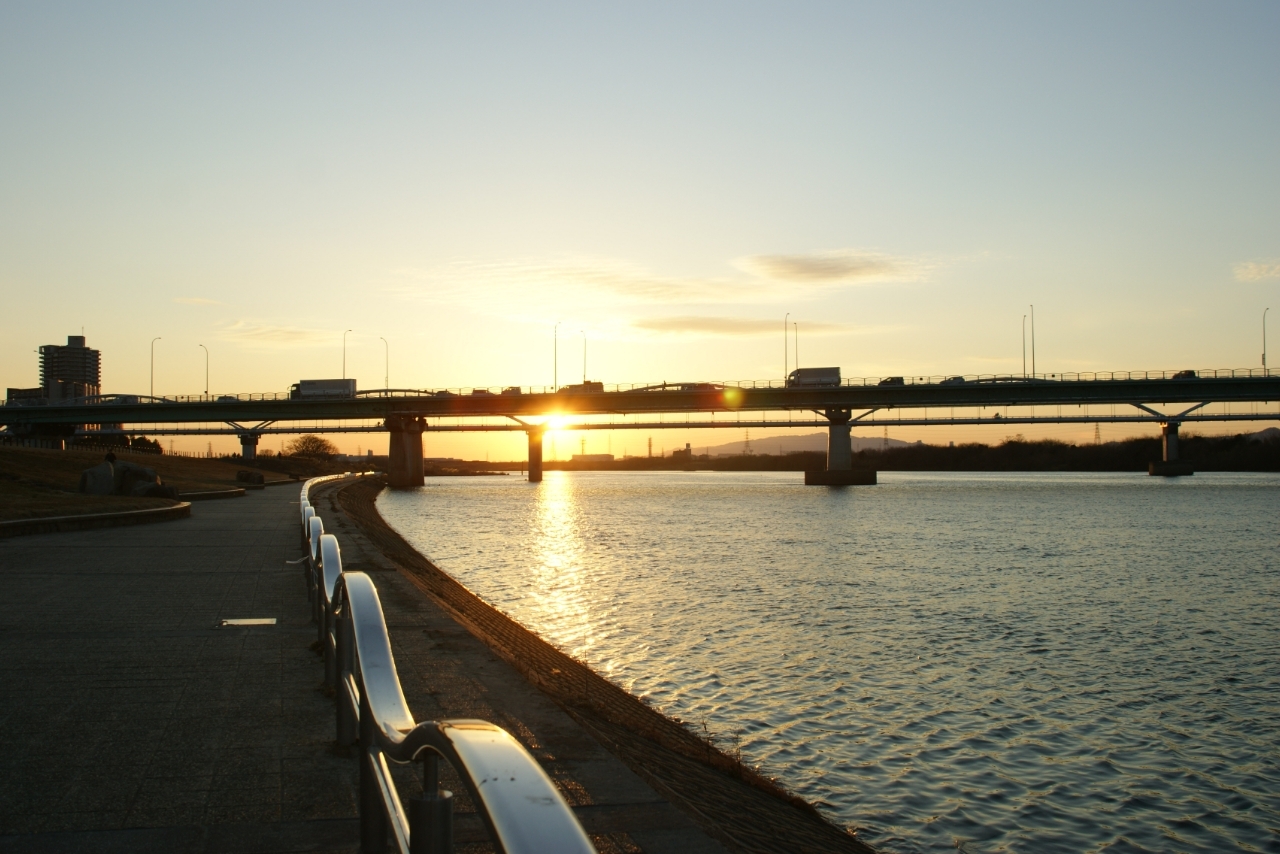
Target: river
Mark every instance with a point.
(990, 662)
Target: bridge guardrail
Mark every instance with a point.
(659, 388)
(517, 802)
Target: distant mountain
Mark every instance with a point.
(1268, 435)
(790, 443)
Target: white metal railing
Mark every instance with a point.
(518, 803)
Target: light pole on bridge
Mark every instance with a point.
(1024, 346)
(206, 367)
(153, 365)
(344, 354)
(796, 327)
(386, 363)
(1264, 340)
(584, 357)
(1033, 340)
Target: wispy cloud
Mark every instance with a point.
(593, 282)
(1256, 271)
(196, 301)
(271, 335)
(840, 266)
(737, 326)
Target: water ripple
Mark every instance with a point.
(980, 663)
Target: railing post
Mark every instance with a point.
(343, 698)
(431, 816)
(330, 654)
(373, 819)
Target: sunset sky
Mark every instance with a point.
(670, 179)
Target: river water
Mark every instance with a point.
(988, 662)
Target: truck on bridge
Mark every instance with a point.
(322, 389)
(814, 378)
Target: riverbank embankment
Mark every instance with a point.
(691, 772)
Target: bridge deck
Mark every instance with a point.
(706, 398)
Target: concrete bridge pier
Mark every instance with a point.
(535, 454)
(404, 451)
(249, 446)
(1170, 466)
(840, 470)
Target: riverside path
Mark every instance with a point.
(133, 720)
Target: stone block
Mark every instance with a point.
(99, 480)
(128, 474)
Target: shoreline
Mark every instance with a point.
(715, 788)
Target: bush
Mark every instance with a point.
(311, 446)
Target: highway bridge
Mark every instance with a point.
(1167, 398)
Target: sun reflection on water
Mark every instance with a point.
(559, 583)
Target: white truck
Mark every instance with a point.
(321, 389)
(814, 378)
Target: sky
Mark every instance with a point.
(668, 181)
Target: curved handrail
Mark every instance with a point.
(330, 564)
(519, 804)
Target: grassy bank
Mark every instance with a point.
(35, 482)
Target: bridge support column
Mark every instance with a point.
(249, 446)
(535, 455)
(840, 470)
(1170, 466)
(404, 452)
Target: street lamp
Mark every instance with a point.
(796, 328)
(1264, 340)
(344, 354)
(386, 363)
(206, 367)
(1024, 346)
(153, 365)
(1033, 340)
(555, 356)
(584, 356)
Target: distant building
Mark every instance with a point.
(66, 373)
(592, 458)
(685, 454)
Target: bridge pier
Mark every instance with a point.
(1170, 466)
(840, 470)
(249, 446)
(535, 454)
(404, 451)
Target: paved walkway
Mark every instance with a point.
(130, 722)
